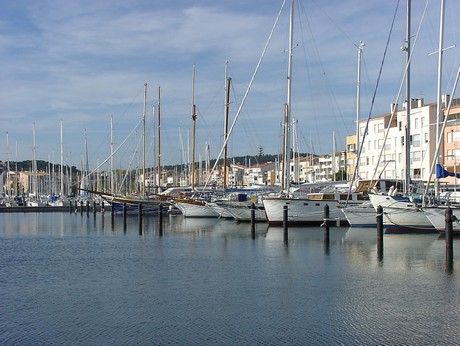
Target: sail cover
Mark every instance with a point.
(442, 173)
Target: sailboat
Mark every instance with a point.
(403, 214)
(310, 209)
(34, 199)
(132, 202)
(436, 213)
(195, 206)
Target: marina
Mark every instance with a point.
(72, 278)
(296, 226)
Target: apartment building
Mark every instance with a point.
(383, 152)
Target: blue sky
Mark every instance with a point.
(84, 61)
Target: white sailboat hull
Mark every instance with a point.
(401, 215)
(302, 211)
(192, 209)
(361, 215)
(437, 217)
(241, 211)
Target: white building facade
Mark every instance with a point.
(383, 153)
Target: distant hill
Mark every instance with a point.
(44, 166)
(239, 160)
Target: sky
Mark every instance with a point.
(82, 63)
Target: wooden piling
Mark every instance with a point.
(449, 231)
(160, 220)
(81, 207)
(70, 207)
(87, 208)
(285, 224)
(140, 218)
(326, 223)
(379, 218)
(124, 217)
(94, 207)
(253, 221)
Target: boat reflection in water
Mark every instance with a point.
(306, 234)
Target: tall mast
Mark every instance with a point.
(86, 164)
(7, 190)
(112, 177)
(62, 165)
(285, 149)
(333, 156)
(227, 107)
(159, 142)
(439, 96)
(287, 154)
(143, 139)
(34, 164)
(193, 128)
(408, 101)
(358, 101)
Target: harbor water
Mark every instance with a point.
(84, 279)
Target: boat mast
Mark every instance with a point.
(143, 139)
(439, 96)
(112, 177)
(358, 101)
(62, 164)
(286, 149)
(284, 172)
(227, 107)
(159, 141)
(193, 128)
(34, 165)
(86, 164)
(333, 156)
(408, 101)
(7, 186)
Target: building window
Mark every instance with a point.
(457, 154)
(416, 141)
(456, 136)
(416, 123)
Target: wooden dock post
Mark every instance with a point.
(160, 220)
(81, 207)
(87, 208)
(326, 223)
(379, 218)
(285, 224)
(70, 207)
(102, 207)
(140, 218)
(124, 216)
(94, 208)
(449, 231)
(253, 221)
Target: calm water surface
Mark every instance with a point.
(85, 280)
